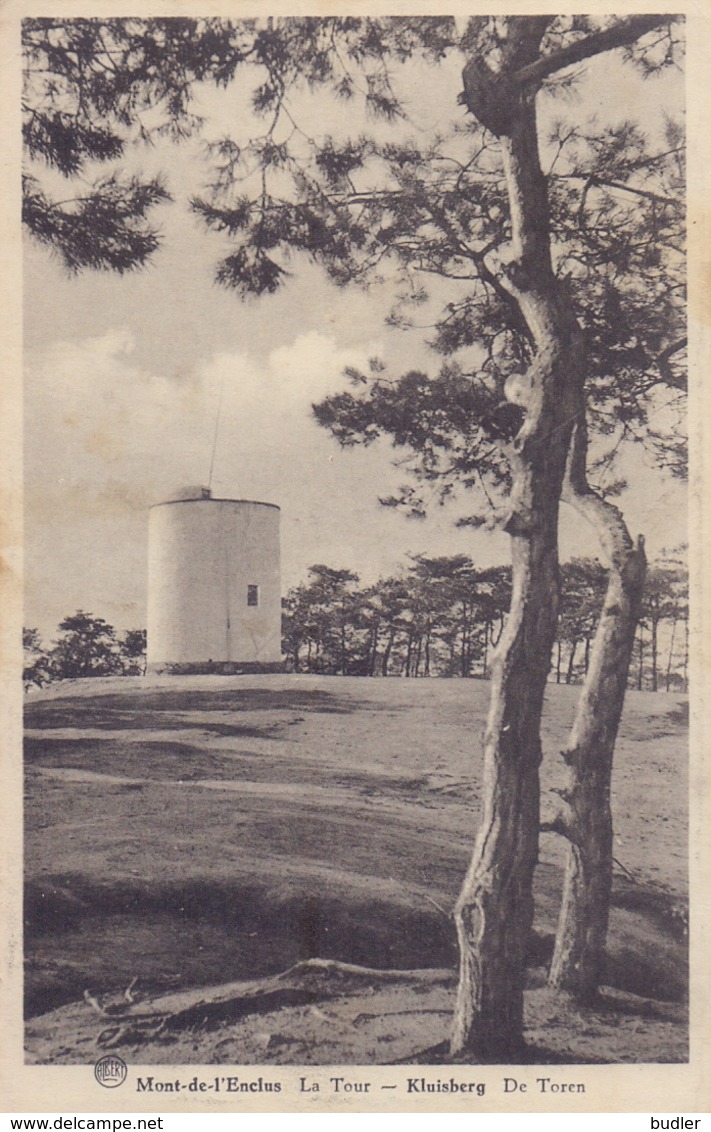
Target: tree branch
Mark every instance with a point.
(593, 181)
(665, 368)
(621, 35)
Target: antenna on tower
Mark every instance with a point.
(217, 429)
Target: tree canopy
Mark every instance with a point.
(86, 646)
(380, 200)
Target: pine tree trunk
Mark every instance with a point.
(494, 911)
(671, 655)
(388, 650)
(408, 657)
(579, 954)
(655, 650)
(571, 662)
(376, 646)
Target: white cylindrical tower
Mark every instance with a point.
(214, 593)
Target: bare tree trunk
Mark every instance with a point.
(586, 819)
(640, 670)
(655, 650)
(343, 666)
(388, 650)
(494, 911)
(571, 661)
(372, 651)
(559, 661)
(671, 655)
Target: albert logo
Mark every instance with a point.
(110, 1071)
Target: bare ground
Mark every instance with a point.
(195, 832)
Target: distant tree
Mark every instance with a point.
(31, 640)
(656, 606)
(494, 599)
(663, 624)
(36, 667)
(390, 601)
(132, 651)
(428, 603)
(678, 614)
(431, 619)
(293, 629)
(640, 676)
(86, 646)
(444, 594)
(665, 598)
(584, 582)
(376, 631)
(324, 616)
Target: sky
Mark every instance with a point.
(124, 376)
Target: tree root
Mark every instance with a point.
(310, 981)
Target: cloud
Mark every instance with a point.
(91, 414)
(105, 437)
(267, 437)
(96, 419)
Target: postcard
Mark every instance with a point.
(354, 653)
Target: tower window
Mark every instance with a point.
(252, 595)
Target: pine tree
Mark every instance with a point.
(565, 311)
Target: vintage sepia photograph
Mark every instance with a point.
(356, 577)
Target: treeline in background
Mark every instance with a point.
(435, 617)
(444, 617)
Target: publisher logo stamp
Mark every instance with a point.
(110, 1071)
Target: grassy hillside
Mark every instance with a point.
(194, 831)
